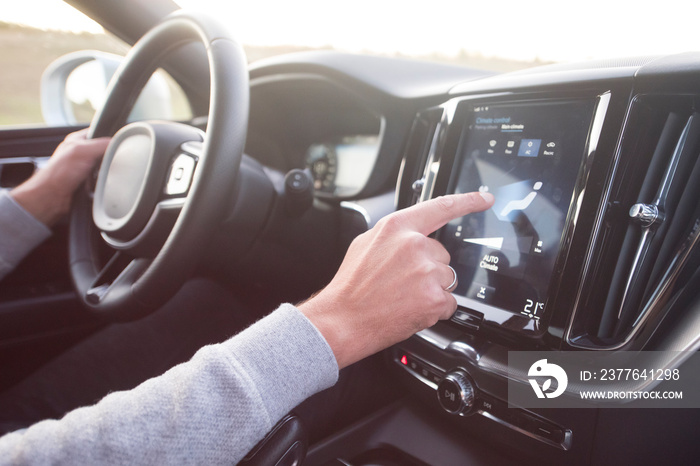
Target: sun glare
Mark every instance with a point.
(55, 15)
(549, 30)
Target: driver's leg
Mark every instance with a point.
(122, 356)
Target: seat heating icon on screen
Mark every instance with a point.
(521, 204)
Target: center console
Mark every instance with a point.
(535, 155)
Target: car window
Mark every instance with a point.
(30, 45)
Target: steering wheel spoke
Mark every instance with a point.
(120, 270)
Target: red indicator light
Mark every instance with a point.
(404, 360)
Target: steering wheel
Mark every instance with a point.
(162, 187)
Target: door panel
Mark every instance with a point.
(39, 313)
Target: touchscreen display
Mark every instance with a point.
(529, 156)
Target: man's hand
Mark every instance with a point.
(392, 281)
(48, 193)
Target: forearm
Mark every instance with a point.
(211, 410)
(43, 198)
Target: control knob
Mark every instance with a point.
(456, 393)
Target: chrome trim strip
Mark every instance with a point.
(359, 209)
(434, 338)
(34, 160)
(432, 164)
(685, 337)
(565, 445)
(595, 235)
(596, 128)
(465, 350)
(38, 162)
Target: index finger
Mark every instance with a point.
(428, 216)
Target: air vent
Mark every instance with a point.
(414, 165)
(644, 258)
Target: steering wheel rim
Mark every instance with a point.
(140, 285)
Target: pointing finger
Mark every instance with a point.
(427, 217)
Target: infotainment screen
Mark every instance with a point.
(529, 156)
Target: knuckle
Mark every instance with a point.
(441, 254)
(444, 203)
(415, 242)
(390, 223)
(427, 270)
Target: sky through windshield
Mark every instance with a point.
(549, 30)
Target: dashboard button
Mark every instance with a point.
(180, 175)
(471, 319)
(456, 393)
(540, 427)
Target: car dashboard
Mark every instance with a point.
(590, 247)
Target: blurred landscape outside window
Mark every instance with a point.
(502, 36)
(27, 50)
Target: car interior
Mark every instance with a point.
(591, 247)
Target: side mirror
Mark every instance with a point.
(74, 86)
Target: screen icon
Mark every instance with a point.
(492, 144)
(550, 148)
(481, 292)
(515, 197)
(529, 148)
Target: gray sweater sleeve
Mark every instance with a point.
(20, 232)
(210, 410)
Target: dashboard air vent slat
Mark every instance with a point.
(687, 207)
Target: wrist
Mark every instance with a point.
(41, 199)
(324, 315)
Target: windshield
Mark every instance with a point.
(497, 35)
(501, 35)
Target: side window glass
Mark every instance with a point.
(32, 45)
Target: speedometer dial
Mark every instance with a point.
(322, 160)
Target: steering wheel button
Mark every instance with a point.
(180, 175)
